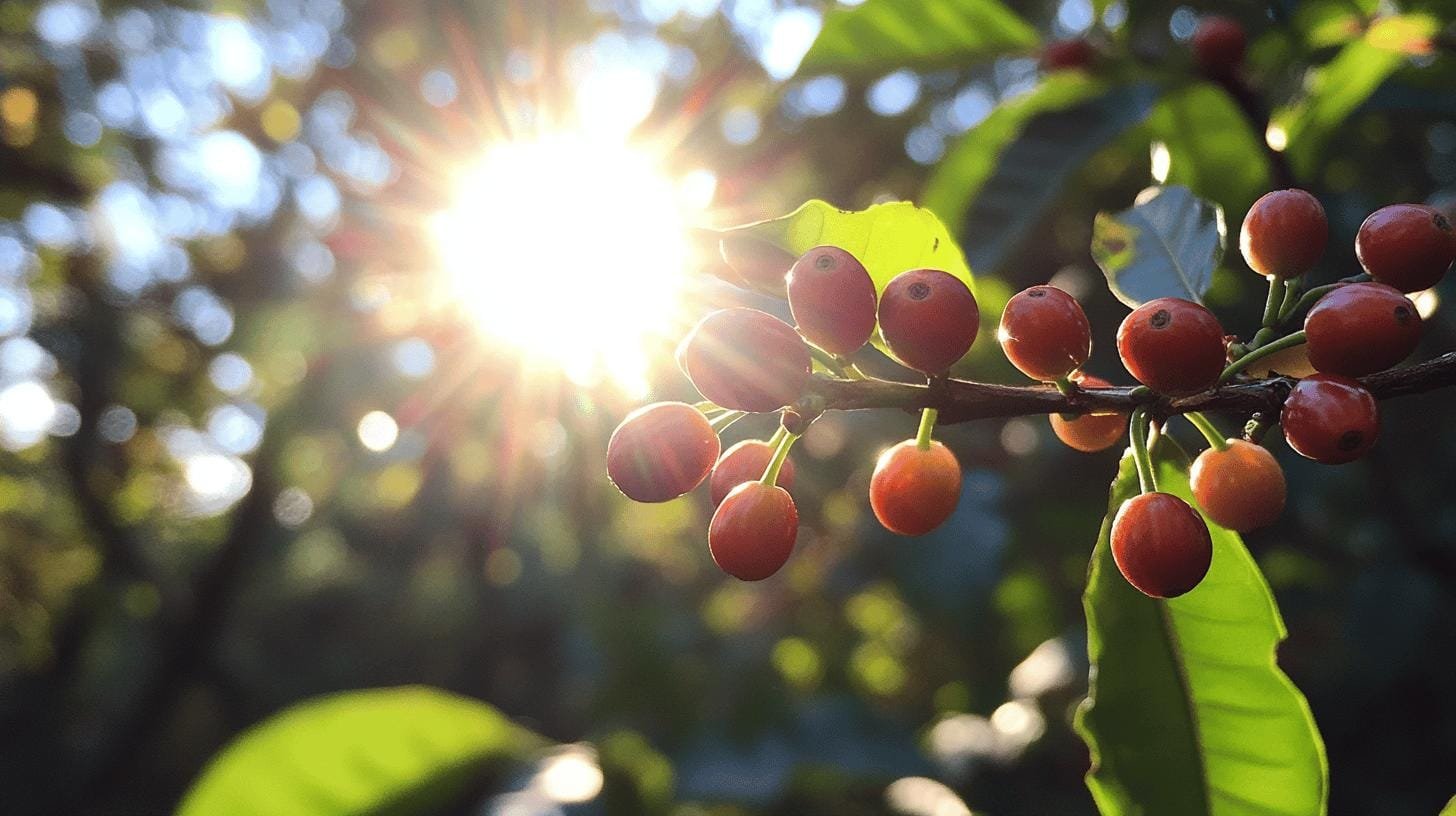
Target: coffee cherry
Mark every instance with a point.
(1172, 346)
(752, 532)
(1044, 333)
(745, 360)
(746, 462)
(1361, 329)
(1090, 433)
(1284, 234)
(1330, 419)
(1219, 44)
(1408, 246)
(1065, 55)
(914, 491)
(1161, 545)
(833, 299)
(928, 319)
(761, 264)
(661, 451)
(1241, 488)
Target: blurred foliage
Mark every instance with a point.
(214, 267)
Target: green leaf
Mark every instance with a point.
(386, 751)
(1450, 808)
(887, 238)
(881, 35)
(1188, 712)
(1209, 146)
(1003, 176)
(1325, 23)
(1167, 245)
(1338, 88)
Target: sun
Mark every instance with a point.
(571, 250)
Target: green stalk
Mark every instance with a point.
(827, 360)
(1138, 431)
(781, 453)
(1261, 352)
(927, 427)
(1215, 439)
(722, 421)
(1273, 302)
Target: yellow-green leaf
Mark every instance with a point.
(887, 238)
(1188, 711)
(397, 751)
(880, 35)
(1335, 90)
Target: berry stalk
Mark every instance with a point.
(1216, 440)
(1289, 341)
(786, 441)
(927, 428)
(1138, 432)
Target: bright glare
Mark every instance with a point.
(571, 250)
(378, 431)
(570, 776)
(1276, 137)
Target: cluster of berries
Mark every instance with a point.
(1356, 327)
(747, 361)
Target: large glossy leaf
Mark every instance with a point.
(1005, 174)
(881, 35)
(1450, 808)
(1188, 711)
(887, 238)
(1208, 146)
(972, 160)
(388, 751)
(1337, 89)
(1167, 245)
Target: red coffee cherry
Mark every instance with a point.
(760, 264)
(661, 451)
(1219, 44)
(1172, 346)
(833, 299)
(746, 462)
(1241, 488)
(745, 360)
(928, 319)
(1044, 333)
(1284, 234)
(1408, 246)
(914, 491)
(1090, 433)
(1064, 55)
(752, 532)
(1361, 329)
(1161, 545)
(1330, 419)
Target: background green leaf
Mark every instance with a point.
(1210, 147)
(881, 35)
(1167, 245)
(386, 751)
(1188, 712)
(1337, 89)
(1005, 174)
(887, 238)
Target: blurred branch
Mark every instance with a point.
(963, 401)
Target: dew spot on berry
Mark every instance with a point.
(919, 291)
(1160, 319)
(1350, 440)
